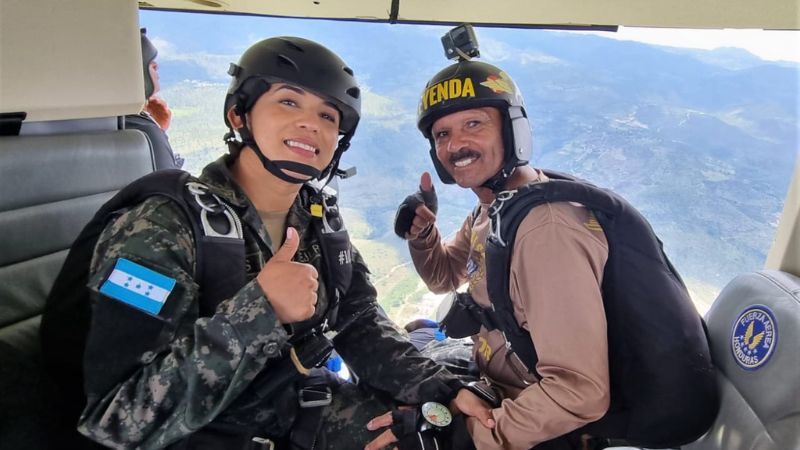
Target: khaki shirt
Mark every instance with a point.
(556, 273)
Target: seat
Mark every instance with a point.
(52, 185)
(754, 328)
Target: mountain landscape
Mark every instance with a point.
(701, 142)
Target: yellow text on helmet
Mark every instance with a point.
(447, 90)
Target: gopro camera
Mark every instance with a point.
(460, 43)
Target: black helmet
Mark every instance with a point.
(302, 63)
(149, 53)
(474, 84)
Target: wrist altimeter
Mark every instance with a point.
(434, 415)
(414, 425)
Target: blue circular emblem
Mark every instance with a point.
(754, 336)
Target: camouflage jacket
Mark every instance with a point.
(152, 380)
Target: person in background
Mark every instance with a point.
(155, 117)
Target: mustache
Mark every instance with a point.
(464, 153)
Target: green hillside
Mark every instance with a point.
(400, 290)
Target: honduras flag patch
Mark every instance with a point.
(138, 286)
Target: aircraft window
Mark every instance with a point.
(703, 142)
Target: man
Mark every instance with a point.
(155, 118)
(469, 146)
(169, 373)
(560, 395)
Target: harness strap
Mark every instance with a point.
(506, 217)
(337, 253)
(307, 426)
(498, 268)
(315, 393)
(218, 233)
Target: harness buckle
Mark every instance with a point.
(495, 228)
(259, 443)
(233, 228)
(314, 396)
(326, 329)
(211, 204)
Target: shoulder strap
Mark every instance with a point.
(505, 218)
(337, 255)
(165, 182)
(612, 212)
(170, 183)
(219, 245)
(506, 214)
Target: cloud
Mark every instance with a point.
(495, 50)
(385, 112)
(539, 58)
(165, 48)
(769, 45)
(498, 51)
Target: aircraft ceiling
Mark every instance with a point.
(762, 14)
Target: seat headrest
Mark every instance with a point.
(755, 339)
(49, 81)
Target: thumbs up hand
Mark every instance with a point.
(290, 287)
(428, 193)
(416, 214)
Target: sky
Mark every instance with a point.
(769, 45)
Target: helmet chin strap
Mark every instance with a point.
(277, 167)
(497, 183)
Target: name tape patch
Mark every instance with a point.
(138, 286)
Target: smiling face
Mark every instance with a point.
(469, 144)
(291, 124)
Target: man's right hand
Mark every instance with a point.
(159, 111)
(290, 287)
(417, 213)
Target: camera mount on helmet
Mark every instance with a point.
(460, 43)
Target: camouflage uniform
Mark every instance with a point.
(154, 380)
